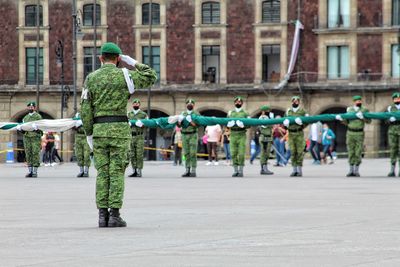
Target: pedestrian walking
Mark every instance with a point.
(213, 133)
(328, 138)
(315, 138)
(225, 144)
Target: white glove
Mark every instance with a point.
(139, 123)
(19, 127)
(128, 60)
(89, 140)
(271, 115)
(298, 121)
(338, 117)
(286, 122)
(240, 124)
(78, 123)
(360, 115)
(34, 126)
(392, 119)
(189, 118)
(181, 118)
(130, 123)
(230, 124)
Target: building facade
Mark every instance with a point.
(210, 50)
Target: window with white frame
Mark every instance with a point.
(88, 15)
(31, 67)
(30, 15)
(395, 61)
(210, 13)
(210, 63)
(155, 14)
(88, 60)
(155, 58)
(271, 63)
(271, 11)
(338, 13)
(338, 62)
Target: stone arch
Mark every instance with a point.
(276, 111)
(159, 138)
(212, 111)
(337, 127)
(17, 137)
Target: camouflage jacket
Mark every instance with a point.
(394, 127)
(190, 128)
(266, 131)
(235, 114)
(357, 124)
(140, 115)
(105, 93)
(294, 127)
(32, 117)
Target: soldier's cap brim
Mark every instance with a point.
(357, 97)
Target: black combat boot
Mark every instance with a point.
(29, 174)
(263, 169)
(356, 172)
(294, 172)
(266, 170)
(85, 171)
(235, 171)
(392, 172)
(138, 172)
(103, 217)
(187, 173)
(192, 172)
(134, 174)
(299, 171)
(351, 172)
(34, 172)
(240, 172)
(115, 219)
(80, 174)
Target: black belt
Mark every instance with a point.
(295, 131)
(192, 132)
(395, 123)
(105, 119)
(238, 129)
(136, 134)
(355, 130)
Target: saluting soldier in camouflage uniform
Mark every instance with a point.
(265, 139)
(189, 139)
(137, 141)
(104, 114)
(296, 135)
(238, 136)
(82, 149)
(32, 141)
(355, 135)
(394, 134)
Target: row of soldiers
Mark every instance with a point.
(354, 138)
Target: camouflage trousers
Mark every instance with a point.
(296, 145)
(355, 145)
(265, 151)
(394, 146)
(238, 147)
(82, 150)
(137, 150)
(189, 145)
(110, 161)
(32, 146)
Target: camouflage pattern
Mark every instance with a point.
(105, 93)
(238, 138)
(137, 141)
(82, 149)
(355, 140)
(394, 137)
(32, 141)
(190, 139)
(266, 143)
(296, 137)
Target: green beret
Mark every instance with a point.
(238, 98)
(136, 100)
(190, 100)
(31, 104)
(396, 95)
(296, 97)
(357, 97)
(264, 108)
(110, 48)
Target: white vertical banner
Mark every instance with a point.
(293, 55)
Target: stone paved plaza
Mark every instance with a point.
(321, 219)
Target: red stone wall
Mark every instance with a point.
(369, 47)
(180, 41)
(370, 13)
(240, 41)
(9, 42)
